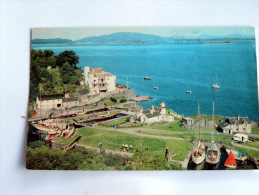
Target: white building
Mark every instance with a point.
(236, 125)
(98, 80)
(154, 114)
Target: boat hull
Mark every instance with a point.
(198, 154)
(239, 158)
(213, 154)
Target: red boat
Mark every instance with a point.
(231, 162)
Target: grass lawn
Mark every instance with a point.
(204, 136)
(255, 130)
(252, 144)
(112, 140)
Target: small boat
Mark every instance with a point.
(215, 86)
(213, 151)
(238, 155)
(188, 91)
(198, 152)
(231, 162)
(155, 87)
(213, 154)
(147, 78)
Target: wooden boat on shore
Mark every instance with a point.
(213, 151)
(231, 162)
(198, 152)
(238, 155)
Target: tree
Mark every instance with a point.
(67, 56)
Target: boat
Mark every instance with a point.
(198, 152)
(238, 155)
(188, 91)
(213, 151)
(216, 85)
(231, 162)
(155, 87)
(147, 78)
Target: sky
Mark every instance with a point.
(79, 33)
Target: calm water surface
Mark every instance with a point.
(176, 68)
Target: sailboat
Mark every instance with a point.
(213, 151)
(198, 152)
(216, 85)
(238, 155)
(231, 162)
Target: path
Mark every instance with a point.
(247, 147)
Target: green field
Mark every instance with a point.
(114, 140)
(255, 130)
(204, 136)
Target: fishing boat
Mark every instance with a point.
(147, 78)
(198, 152)
(231, 162)
(213, 151)
(238, 155)
(216, 85)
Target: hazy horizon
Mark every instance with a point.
(79, 33)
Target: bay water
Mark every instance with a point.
(177, 67)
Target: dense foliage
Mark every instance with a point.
(41, 157)
(53, 74)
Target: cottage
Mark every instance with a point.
(99, 81)
(187, 122)
(235, 125)
(49, 101)
(154, 114)
(70, 102)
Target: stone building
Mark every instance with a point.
(98, 80)
(82, 95)
(237, 124)
(154, 114)
(49, 101)
(69, 102)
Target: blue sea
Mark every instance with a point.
(176, 68)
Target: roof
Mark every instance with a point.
(150, 114)
(51, 97)
(188, 119)
(233, 120)
(240, 120)
(82, 92)
(70, 99)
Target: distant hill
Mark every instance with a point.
(131, 37)
(52, 41)
(123, 37)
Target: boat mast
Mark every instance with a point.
(199, 133)
(212, 121)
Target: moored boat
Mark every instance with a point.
(147, 78)
(198, 152)
(231, 162)
(188, 91)
(213, 154)
(238, 155)
(213, 151)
